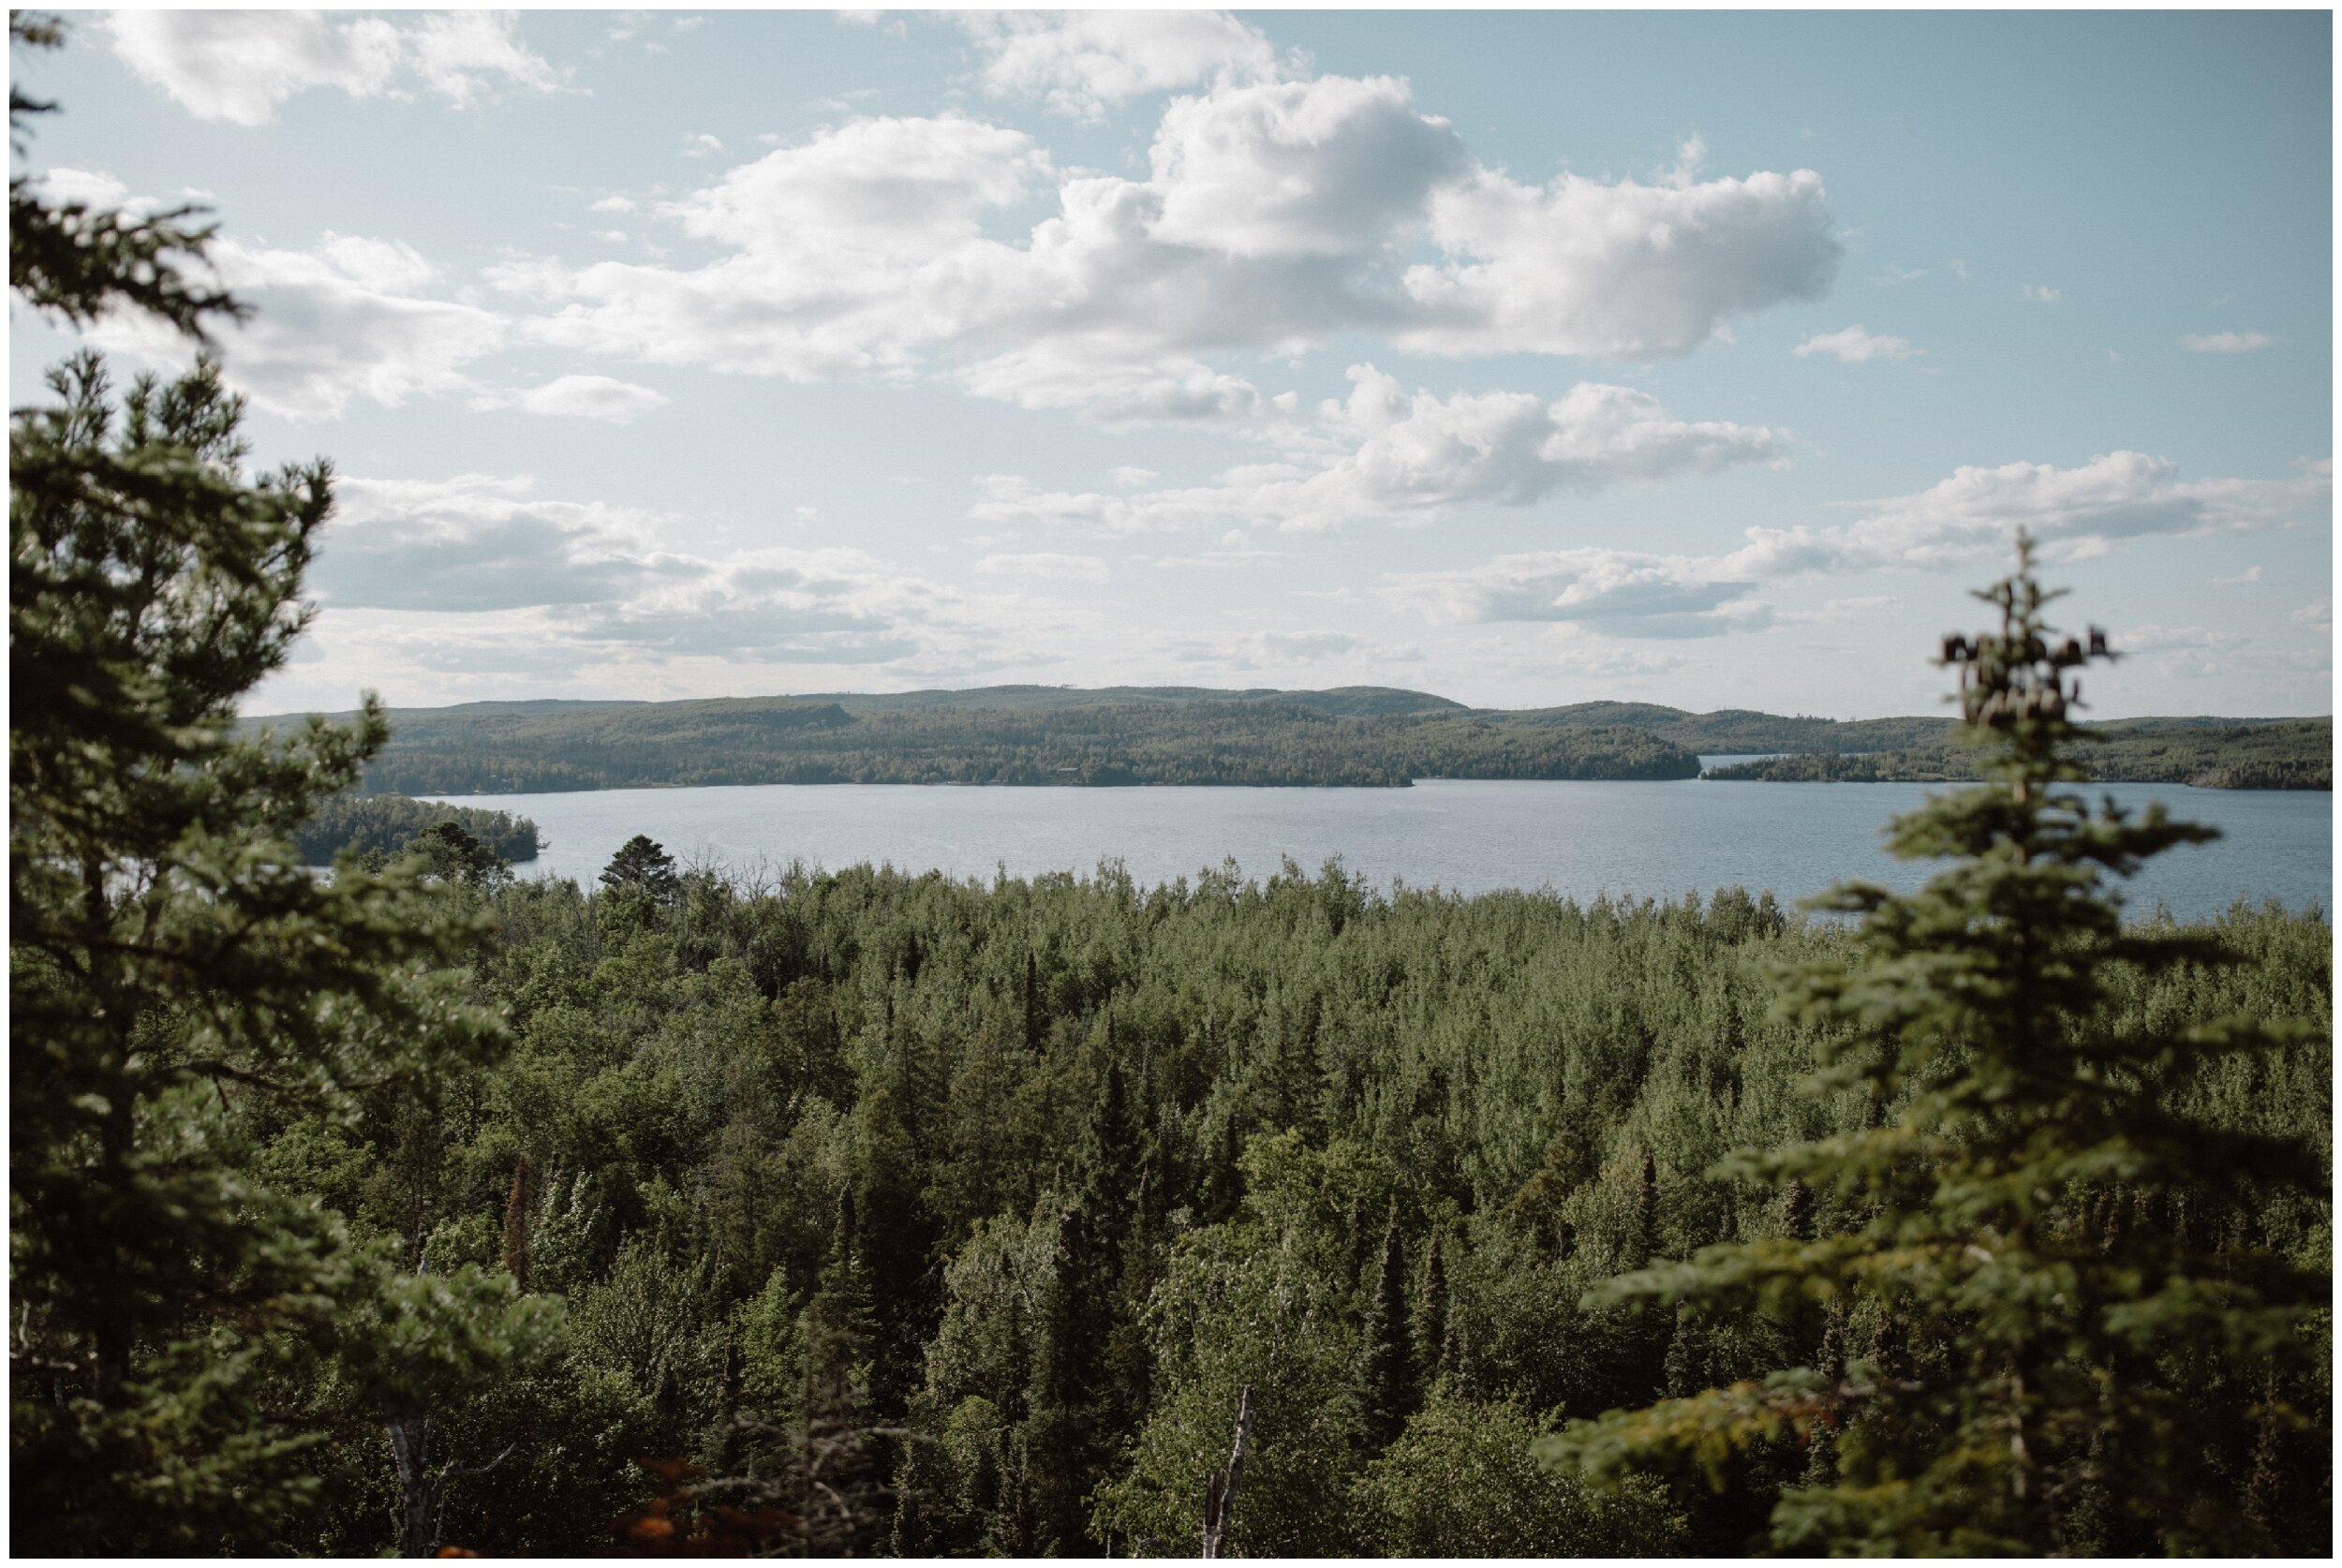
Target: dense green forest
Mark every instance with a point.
(389, 824)
(417, 1206)
(2269, 754)
(482, 749)
(1361, 736)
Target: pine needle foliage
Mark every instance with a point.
(76, 261)
(171, 964)
(2030, 1369)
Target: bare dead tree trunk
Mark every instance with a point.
(421, 1490)
(418, 1489)
(1220, 1491)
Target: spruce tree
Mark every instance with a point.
(1388, 1374)
(1435, 1354)
(642, 863)
(1080, 1385)
(2024, 1361)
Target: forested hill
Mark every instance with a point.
(1004, 735)
(1348, 735)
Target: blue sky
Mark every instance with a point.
(1523, 358)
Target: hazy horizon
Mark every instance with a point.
(1524, 358)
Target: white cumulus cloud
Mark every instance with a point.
(1275, 217)
(1083, 62)
(238, 66)
(348, 318)
(1580, 266)
(1386, 453)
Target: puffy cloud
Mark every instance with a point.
(1334, 167)
(1854, 345)
(1042, 564)
(1083, 62)
(498, 572)
(579, 397)
(2228, 342)
(1580, 266)
(1971, 514)
(238, 66)
(890, 190)
(1408, 458)
(2040, 293)
(1276, 215)
(457, 53)
(476, 542)
(346, 319)
(846, 254)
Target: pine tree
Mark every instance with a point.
(2046, 1358)
(73, 261)
(172, 965)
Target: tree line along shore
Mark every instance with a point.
(1367, 737)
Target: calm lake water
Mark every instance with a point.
(1579, 839)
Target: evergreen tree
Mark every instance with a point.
(1079, 1386)
(641, 863)
(2045, 1360)
(69, 259)
(450, 853)
(1435, 1350)
(1386, 1375)
(172, 966)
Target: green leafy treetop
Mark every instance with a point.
(1998, 1365)
(171, 964)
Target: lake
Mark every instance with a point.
(1578, 838)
